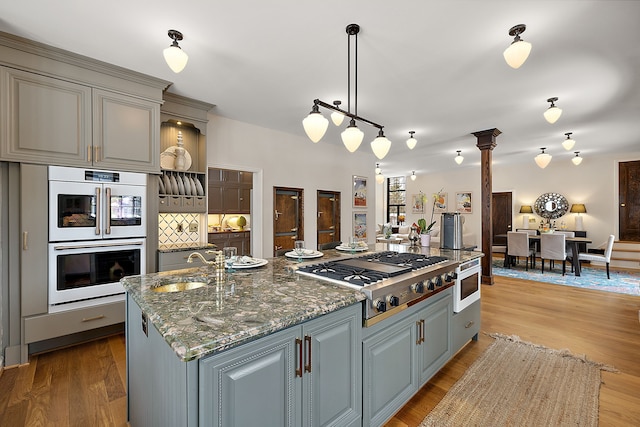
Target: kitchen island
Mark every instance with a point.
(263, 346)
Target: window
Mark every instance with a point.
(397, 197)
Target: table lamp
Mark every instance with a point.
(578, 209)
(525, 209)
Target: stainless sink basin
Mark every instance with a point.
(178, 286)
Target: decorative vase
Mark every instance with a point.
(413, 236)
(425, 239)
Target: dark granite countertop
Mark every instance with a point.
(245, 305)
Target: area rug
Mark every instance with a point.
(590, 278)
(515, 383)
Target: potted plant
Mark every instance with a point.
(425, 230)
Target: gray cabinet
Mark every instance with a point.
(177, 260)
(55, 121)
(306, 375)
(403, 352)
(466, 326)
(230, 191)
(302, 376)
(240, 240)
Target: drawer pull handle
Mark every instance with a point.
(89, 319)
(299, 369)
(307, 342)
(25, 240)
(469, 324)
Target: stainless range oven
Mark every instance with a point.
(391, 281)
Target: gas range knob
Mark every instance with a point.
(437, 280)
(448, 277)
(393, 301)
(431, 284)
(418, 288)
(380, 305)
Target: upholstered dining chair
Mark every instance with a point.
(553, 248)
(606, 258)
(518, 246)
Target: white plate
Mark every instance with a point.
(348, 249)
(161, 185)
(174, 185)
(248, 262)
(199, 187)
(167, 160)
(194, 190)
(187, 185)
(181, 189)
(170, 153)
(308, 253)
(167, 184)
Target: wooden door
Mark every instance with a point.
(629, 200)
(328, 218)
(501, 212)
(287, 218)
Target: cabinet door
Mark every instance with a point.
(388, 378)
(125, 132)
(252, 385)
(244, 200)
(230, 199)
(237, 240)
(215, 197)
(44, 120)
(332, 387)
(435, 348)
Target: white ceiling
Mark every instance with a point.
(435, 67)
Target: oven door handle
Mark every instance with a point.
(105, 245)
(107, 197)
(98, 210)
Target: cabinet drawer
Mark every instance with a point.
(46, 326)
(465, 325)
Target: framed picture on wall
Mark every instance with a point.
(440, 203)
(463, 202)
(359, 192)
(417, 203)
(360, 225)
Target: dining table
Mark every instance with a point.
(573, 243)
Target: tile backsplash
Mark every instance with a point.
(180, 228)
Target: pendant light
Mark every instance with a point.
(553, 113)
(176, 57)
(352, 136)
(379, 176)
(380, 145)
(315, 125)
(577, 159)
(543, 159)
(413, 176)
(411, 142)
(378, 170)
(519, 50)
(568, 143)
(459, 157)
(337, 117)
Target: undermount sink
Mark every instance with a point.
(178, 286)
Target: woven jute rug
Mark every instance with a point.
(516, 383)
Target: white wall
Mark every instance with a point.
(284, 160)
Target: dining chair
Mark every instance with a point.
(606, 258)
(553, 247)
(568, 245)
(517, 246)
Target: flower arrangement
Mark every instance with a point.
(422, 223)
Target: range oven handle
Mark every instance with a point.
(104, 245)
(107, 196)
(98, 210)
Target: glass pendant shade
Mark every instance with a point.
(411, 143)
(337, 118)
(459, 158)
(176, 58)
(315, 125)
(352, 137)
(577, 159)
(379, 178)
(517, 53)
(568, 143)
(552, 114)
(378, 170)
(543, 159)
(413, 176)
(380, 145)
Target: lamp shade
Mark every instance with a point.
(411, 142)
(380, 145)
(577, 159)
(459, 158)
(543, 159)
(568, 143)
(379, 178)
(578, 208)
(517, 53)
(337, 118)
(413, 176)
(552, 114)
(352, 136)
(315, 125)
(176, 58)
(526, 209)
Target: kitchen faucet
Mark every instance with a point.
(218, 261)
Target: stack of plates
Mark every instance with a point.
(308, 253)
(180, 184)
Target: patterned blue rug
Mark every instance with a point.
(590, 278)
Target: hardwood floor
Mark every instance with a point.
(85, 385)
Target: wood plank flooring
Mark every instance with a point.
(84, 385)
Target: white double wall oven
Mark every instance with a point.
(97, 234)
